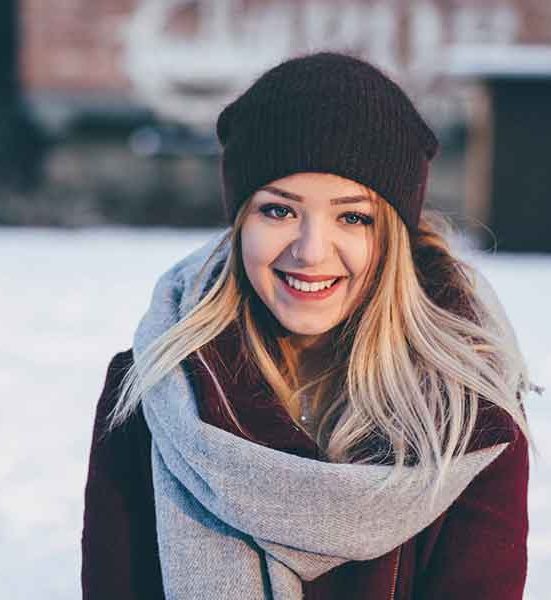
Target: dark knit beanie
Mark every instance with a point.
(331, 113)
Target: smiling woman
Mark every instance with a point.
(308, 260)
(321, 402)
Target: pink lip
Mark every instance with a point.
(310, 278)
(319, 295)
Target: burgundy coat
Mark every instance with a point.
(476, 549)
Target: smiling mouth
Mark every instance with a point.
(304, 285)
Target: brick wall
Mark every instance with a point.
(535, 27)
(72, 45)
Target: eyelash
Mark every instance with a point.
(364, 219)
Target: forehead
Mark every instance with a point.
(303, 187)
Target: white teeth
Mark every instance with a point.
(304, 286)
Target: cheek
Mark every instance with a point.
(359, 256)
(259, 251)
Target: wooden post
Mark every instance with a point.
(21, 143)
(520, 206)
(9, 83)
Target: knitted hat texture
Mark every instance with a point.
(326, 112)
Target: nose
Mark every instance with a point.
(311, 247)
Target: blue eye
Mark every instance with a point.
(362, 218)
(268, 208)
(278, 212)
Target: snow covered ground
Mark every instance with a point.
(69, 302)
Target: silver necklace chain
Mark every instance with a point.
(305, 415)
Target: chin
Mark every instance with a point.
(305, 328)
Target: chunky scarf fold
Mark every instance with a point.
(239, 520)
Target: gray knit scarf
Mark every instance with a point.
(238, 520)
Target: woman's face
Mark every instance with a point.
(306, 228)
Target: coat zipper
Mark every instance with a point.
(395, 574)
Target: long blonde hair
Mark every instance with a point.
(411, 362)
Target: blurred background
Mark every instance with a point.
(109, 174)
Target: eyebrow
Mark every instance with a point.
(291, 196)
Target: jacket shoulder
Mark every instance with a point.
(118, 366)
(127, 444)
(119, 547)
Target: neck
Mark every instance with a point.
(310, 344)
(314, 355)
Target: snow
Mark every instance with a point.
(70, 301)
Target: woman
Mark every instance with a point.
(322, 401)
